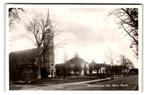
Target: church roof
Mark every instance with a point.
(23, 57)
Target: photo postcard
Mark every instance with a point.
(77, 47)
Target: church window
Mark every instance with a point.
(52, 65)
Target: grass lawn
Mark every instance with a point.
(125, 83)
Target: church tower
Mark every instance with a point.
(48, 44)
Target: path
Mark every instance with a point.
(59, 86)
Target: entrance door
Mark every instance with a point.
(44, 73)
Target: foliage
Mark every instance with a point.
(14, 16)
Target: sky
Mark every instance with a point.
(91, 33)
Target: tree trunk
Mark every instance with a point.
(39, 63)
(38, 73)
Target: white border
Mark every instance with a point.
(81, 92)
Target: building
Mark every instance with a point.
(48, 43)
(30, 64)
(22, 65)
(73, 67)
(97, 68)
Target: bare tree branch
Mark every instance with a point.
(129, 22)
(129, 33)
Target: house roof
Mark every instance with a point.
(76, 60)
(93, 63)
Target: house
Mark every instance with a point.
(97, 68)
(73, 67)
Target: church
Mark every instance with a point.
(27, 65)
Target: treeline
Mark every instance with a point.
(62, 70)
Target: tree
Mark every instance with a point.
(126, 62)
(43, 34)
(14, 16)
(128, 20)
